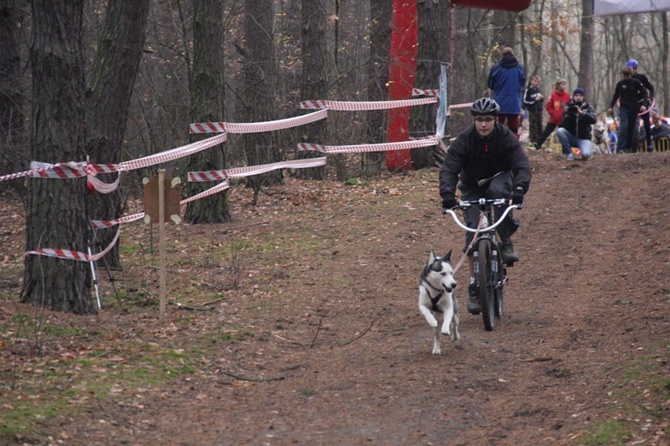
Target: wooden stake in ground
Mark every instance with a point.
(161, 198)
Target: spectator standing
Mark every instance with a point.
(633, 64)
(554, 106)
(575, 130)
(631, 95)
(533, 102)
(507, 79)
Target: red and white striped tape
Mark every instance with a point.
(401, 145)
(419, 92)
(173, 154)
(103, 224)
(211, 191)
(207, 127)
(102, 187)
(238, 172)
(467, 105)
(74, 255)
(256, 127)
(365, 105)
(70, 169)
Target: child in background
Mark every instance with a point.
(532, 103)
(555, 106)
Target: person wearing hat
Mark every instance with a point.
(632, 97)
(506, 80)
(575, 130)
(633, 64)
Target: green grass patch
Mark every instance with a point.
(610, 433)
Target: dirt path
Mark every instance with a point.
(327, 347)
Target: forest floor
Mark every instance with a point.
(297, 323)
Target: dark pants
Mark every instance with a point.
(627, 130)
(647, 129)
(498, 187)
(545, 134)
(534, 126)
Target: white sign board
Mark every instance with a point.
(617, 7)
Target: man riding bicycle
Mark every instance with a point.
(490, 162)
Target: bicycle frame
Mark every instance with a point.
(490, 273)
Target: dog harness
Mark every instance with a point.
(436, 299)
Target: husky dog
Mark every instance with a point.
(436, 296)
(600, 138)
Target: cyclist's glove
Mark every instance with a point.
(517, 195)
(449, 202)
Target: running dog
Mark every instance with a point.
(437, 297)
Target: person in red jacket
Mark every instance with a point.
(555, 106)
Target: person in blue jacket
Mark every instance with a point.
(506, 80)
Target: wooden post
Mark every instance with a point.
(161, 241)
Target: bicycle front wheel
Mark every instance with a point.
(485, 278)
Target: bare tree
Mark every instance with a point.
(11, 95)
(259, 76)
(109, 91)
(433, 52)
(381, 12)
(55, 209)
(314, 83)
(585, 78)
(207, 84)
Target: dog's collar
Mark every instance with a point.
(436, 289)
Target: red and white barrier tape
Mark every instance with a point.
(74, 255)
(238, 172)
(102, 187)
(211, 191)
(256, 127)
(369, 105)
(103, 224)
(176, 153)
(69, 169)
(419, 92)
(401, 145)
(468, 105)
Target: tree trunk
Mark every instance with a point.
(381, 13)
(259, 76)
(11, 96)
(585, 79)
(109, 91)
(433, 52)
(314, 83)
(55, 209)
(207, 83)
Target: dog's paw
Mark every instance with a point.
(433, 323)
(437, 351)
(455, 336)
(446, 331)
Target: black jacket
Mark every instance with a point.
(644, 80)
(579, 125)
(529, 102)
(630, 93)
(474, 158)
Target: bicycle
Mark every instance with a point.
(489, 269)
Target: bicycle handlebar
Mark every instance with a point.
(482, 202)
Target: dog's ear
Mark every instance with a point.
(431, 257)
(448, 256)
